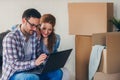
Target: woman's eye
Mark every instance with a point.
(43, 28)
(50, 29)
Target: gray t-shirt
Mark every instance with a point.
(28, 50)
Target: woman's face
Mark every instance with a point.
(46, 29)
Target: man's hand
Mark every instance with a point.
(40, 59)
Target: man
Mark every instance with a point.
(20, 47)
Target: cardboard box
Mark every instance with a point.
(110, 62)
(89, 18)
(104, 76)
(83, 46)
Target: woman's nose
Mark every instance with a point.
(46, 31)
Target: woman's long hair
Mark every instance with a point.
(48, 18)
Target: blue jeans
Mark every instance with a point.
(54, 75)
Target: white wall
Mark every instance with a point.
(11, 12)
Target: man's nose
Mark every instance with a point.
(34, 28)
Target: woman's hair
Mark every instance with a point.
(48, 18)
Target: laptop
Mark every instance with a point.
(54, 61)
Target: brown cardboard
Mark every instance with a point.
(103, 76)
(99, 39)
(89, 18)
(113, 52)
(110, 62)
(83, 45)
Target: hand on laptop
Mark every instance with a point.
(40, 59)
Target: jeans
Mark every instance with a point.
(54, 75)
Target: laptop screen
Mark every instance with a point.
(56, 60)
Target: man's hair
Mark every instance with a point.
(31, 13)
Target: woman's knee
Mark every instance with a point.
(57, 75)
(59, 72)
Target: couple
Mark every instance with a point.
(26, 47)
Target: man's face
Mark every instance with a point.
(30, 25)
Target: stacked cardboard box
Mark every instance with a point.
(89, 18)
(110, 62)
(83, 48)
(84, 20)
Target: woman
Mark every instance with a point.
(49, 44)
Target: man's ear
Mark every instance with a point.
(23, 20)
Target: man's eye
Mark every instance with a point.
(43, 28)
(32, 25)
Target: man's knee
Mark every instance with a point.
(24, 76)
(32, 77)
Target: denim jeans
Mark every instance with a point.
(54, 75)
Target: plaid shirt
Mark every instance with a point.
(14, 56)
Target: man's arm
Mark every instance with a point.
(13, 55)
